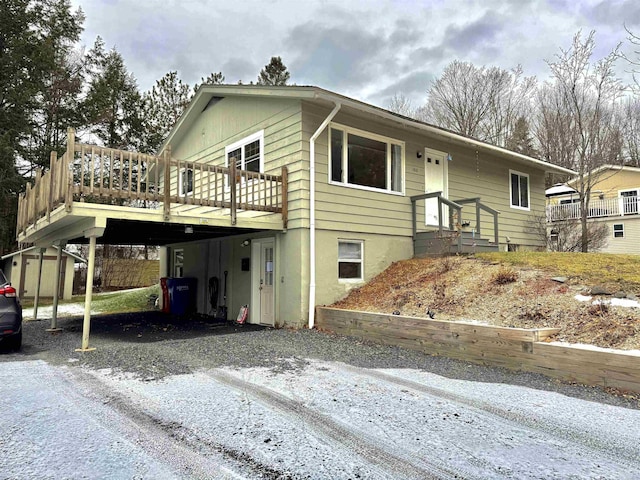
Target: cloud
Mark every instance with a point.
(615, 13)
(334, 55)
(480, 32)
(413, 86)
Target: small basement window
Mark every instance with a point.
(350, 255)
(618, 230)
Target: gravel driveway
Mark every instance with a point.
(176, 399)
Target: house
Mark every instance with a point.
(233, 190)
(22, 268)
(614, 202)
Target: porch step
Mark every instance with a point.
(431, 243)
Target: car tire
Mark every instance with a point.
(15, 342)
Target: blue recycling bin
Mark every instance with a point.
(182, 295)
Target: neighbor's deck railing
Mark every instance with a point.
(608, 207)
(92, 174)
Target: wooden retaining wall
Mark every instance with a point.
(512, 348)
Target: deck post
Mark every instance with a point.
(36, 300)
(70, 155)
(285, 197)
(56, 289)
(232, 186)
(53, 158)
(167, 182)
(92, 234)
(477, 216)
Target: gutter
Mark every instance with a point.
(312, 211)
(548, 167)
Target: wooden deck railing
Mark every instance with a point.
(455, 213)
(93, 174)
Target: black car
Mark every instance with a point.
(10, 316)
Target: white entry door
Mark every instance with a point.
(263, 297)
(435, 180)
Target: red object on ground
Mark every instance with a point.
(166, 308)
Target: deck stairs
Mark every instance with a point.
(450, 242)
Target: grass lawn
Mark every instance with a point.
(593, 268)
(110, 302)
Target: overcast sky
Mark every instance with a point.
(368, 50)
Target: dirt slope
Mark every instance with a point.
(468, 288)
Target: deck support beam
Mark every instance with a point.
(36, 300)
(56, 289)
(92, 234)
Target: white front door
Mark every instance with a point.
(262, 310)
(435, 180)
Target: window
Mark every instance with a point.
(365, 160)
(350, 260)
(186, 182)
(178, 262)
(569, 201)
(629, 201)
(248, 153)
(519, 190)
(618, 230)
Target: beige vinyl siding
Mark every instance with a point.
(231, 119)
(470, 174)
(610, 182)
(630, 243)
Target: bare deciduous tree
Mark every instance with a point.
(565, 234)
(479, 102)
(579, 124)
(401, 105)
(631, 150)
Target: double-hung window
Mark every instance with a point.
(618, 230)
(365, 160)
(248, 153)
(519, 190)
(350, 256)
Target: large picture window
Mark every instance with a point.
(248, 152)
(519, 190)
(365, 160)
(350, 260)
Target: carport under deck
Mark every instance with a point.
(123, 197)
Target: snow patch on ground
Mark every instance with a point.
(614, 302)
(66, 310)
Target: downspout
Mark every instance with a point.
(312, 212)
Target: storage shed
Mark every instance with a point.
(21, 269)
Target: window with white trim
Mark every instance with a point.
(630, 201)
(248, 152)
(185, 184)
(365, 160)
(178, 262)
(350, 260)
(618, 230)
(519, 190)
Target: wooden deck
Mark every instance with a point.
(92, 181)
